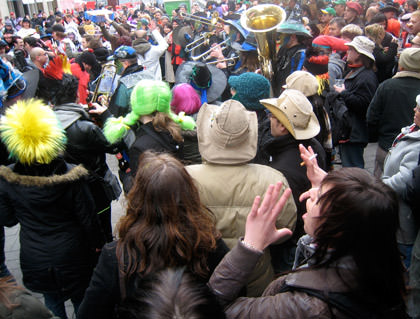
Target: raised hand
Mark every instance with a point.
(314, 173)
(260, 228)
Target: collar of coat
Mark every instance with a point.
(404, 74)
(73, 174)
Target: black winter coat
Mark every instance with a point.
(104, 293)
(86, 145)
(360, 85)
(59, 228)
(148, 139)
(285, 157)
(391, 109)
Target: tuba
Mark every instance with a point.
(263, 21)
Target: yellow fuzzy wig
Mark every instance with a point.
(32, 132)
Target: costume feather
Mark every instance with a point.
(32, 132)
(57, 66)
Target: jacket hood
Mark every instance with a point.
(73, 174)
(141, 46)
(70, 113)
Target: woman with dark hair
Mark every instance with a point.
(353, 267)
(84, 63)
(166, 225)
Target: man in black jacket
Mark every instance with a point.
(392, 106)
(86, 145)
(292, 122)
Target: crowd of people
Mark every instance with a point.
(228, 158)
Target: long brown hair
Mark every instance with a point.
(166, 225)
(249, 61)
(162, 122)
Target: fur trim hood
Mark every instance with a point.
(73, 174)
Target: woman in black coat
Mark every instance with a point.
(166, 226)
(52, 202)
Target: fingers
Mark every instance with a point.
(304, 196)
(283, 233)
(281, 202)
(255, 205)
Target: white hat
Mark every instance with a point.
(363, 45)
(302, 81)
(294, 111)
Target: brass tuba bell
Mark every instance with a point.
(263, 21)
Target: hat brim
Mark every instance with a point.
(32, 78)
(310, 131)
(246, 47)
(218, 79)
(213, 152)
(361, 51)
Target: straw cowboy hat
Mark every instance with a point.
(294, 111)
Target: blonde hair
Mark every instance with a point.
(376, 33)
(351, 31)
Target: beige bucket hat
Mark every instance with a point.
(363, 45)
(302, 81)
(227, 134)
(294, 111)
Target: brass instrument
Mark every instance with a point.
(210, 22)
(105, 83)
(206, 55)
(229, 61)
(263, 21)
(203, 40)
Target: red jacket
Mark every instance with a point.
(83, 78)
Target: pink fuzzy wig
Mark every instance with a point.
(185, 99)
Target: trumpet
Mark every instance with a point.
(206, 55)
(229, 61)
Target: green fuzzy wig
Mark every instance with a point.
(148, 97)
(32, 133)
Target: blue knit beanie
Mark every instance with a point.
(250, 89)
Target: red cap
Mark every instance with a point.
(355, 6)
(327, 41)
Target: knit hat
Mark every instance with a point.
(302, 81)
(330, 11)
(315, 63)
(355, 6)
(147, 97)
(294, 111)
(363, 46)
(330, 42)
(410, 59)
(250, 88)
(339, 2)
(32, 133)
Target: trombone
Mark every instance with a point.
(203, 40)
(215, 18)
(229, 61)
(206, 55)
